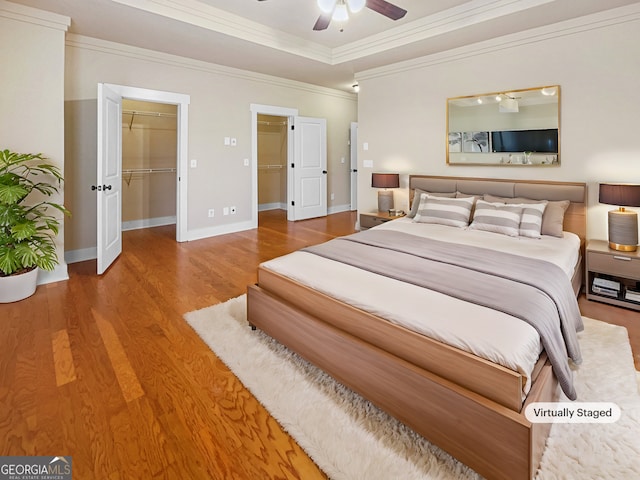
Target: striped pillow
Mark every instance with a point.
(497, 218)
(531, 222)
(454, 212)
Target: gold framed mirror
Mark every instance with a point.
(510, 128)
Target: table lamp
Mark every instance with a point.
(623, 224)
(385, 197)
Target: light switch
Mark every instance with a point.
(227, 141)
(365, 146)
(234, 142)
(246, 162)
(367, 163)
(194, 163)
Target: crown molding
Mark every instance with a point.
(196, 13)
(34, 16)
(103, 46)
(445, 21)
(205, 16)
(621, 15)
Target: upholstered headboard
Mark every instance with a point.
(575, 219)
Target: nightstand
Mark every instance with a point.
(612, 277)
(368, 220)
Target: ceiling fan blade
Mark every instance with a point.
(323, 22)
(387, 9)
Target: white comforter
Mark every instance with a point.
(493, 335)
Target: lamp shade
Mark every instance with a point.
(623, 224)
(622, 195)
(385, 180)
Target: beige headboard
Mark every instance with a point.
(575, 219)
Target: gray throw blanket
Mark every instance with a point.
(536, 291)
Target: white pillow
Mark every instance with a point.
(444, 211)
(497, 218)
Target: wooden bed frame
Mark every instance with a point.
(468, 406)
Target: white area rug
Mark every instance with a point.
(349, 438)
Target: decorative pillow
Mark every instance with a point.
(531, 221)
(552, 218)
(416, 200)
(497, 218)
(445, 211)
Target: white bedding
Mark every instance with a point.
(493, 335)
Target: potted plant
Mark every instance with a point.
(27, 230)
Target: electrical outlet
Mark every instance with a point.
(233, 210)
(212, 212)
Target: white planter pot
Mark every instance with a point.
(18, 287)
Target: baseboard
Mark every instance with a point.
(148, 222)
(58, 274)
(339, 209)
(219, 230)
(263, 207)
(81, 255)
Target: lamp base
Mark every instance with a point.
(623, 230)
(385, 200)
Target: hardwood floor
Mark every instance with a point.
(105, 369)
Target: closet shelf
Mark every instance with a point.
(268, 167)
(143, 113)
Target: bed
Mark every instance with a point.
(466, 399)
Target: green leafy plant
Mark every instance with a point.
(28, 231)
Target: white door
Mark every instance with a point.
(353, 142)
(309, 167)
(109, 181)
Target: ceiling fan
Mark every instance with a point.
(337, 10)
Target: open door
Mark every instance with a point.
(309, 168)
(353, 171)
(109, 178)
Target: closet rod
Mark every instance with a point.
(133, 113)
(148, 114)
(266, 167)
(149, 170)
(264, 122)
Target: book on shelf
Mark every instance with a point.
(609, 292)
(631, 294)
(606, 283)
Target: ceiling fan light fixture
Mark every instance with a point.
(340, 13)
(356, 5)
(327, 6)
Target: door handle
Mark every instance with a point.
(93, 187)
(106, 187)
(324, 171)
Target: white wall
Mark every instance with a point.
(402, 107)
(220, 107)
(32, 98)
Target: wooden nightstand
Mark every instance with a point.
(616, 275)
(368, 220)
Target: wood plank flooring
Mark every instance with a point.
(105, 369)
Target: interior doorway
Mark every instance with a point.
(149, 164)
(273, 155)
(109, 165)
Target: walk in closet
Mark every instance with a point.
(149, 161)
(272, 162)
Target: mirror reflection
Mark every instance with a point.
(515, 127)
